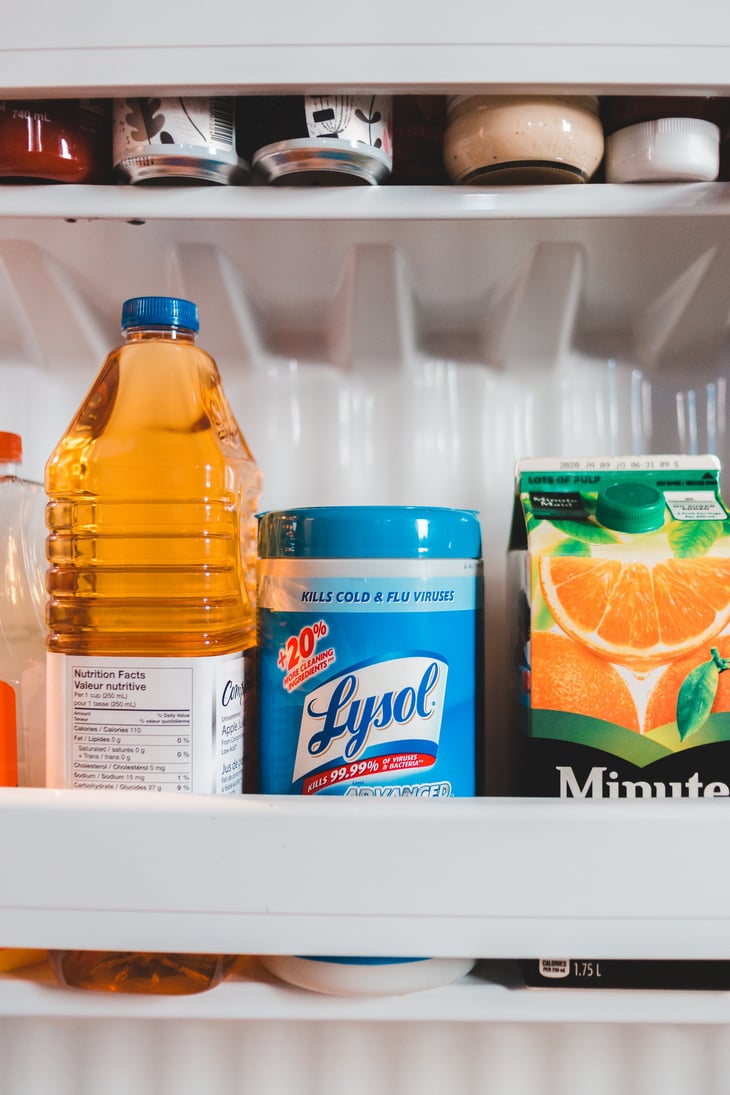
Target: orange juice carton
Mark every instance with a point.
(620, 573)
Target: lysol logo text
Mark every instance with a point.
(377, 709)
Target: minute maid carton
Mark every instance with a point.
(620, 570)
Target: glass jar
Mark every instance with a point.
(55, 140)
(178, 140)
(522, 139)
(321, 140)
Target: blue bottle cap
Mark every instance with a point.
(160, 312)
(370, 532)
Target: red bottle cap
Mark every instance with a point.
(11, 448)
(8, 737)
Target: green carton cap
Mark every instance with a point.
(630, 507)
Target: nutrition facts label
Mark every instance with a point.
(153, 750)
(151, 724)
(700, 505)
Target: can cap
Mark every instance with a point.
(11, 447)
(630, 507)
(160, 312)
(370, 532)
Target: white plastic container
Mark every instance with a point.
(664, 150)
(368, 624)
(366, 976)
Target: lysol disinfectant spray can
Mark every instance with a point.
(151, 518)
(369, 626)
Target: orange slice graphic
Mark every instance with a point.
(638, 614)
(564, 676)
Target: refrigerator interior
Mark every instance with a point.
(394, 345)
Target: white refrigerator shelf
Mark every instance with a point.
(492, 993)
(493, 878)
(390, 203)
(323, 45)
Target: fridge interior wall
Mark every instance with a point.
(399, 362)
(392, 346)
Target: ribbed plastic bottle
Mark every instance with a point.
(22, 622)
(151, 546)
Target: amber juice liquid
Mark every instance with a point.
(151, 551)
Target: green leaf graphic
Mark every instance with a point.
(585, 531)
(638, 749)
(689, 539)
(696, 697)
(571, 547)
(542, 618)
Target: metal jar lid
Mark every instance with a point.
(320, 161)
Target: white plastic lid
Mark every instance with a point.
(366, 976)
(664, 150)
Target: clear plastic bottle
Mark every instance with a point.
(22, 625)
(152, 532)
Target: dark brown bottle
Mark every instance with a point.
(419, 122)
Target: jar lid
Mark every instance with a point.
(630, 507)
(664, 150)
(11, 447)
(160, 312)
(315, 161)
(581, 102)
(370, 532)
